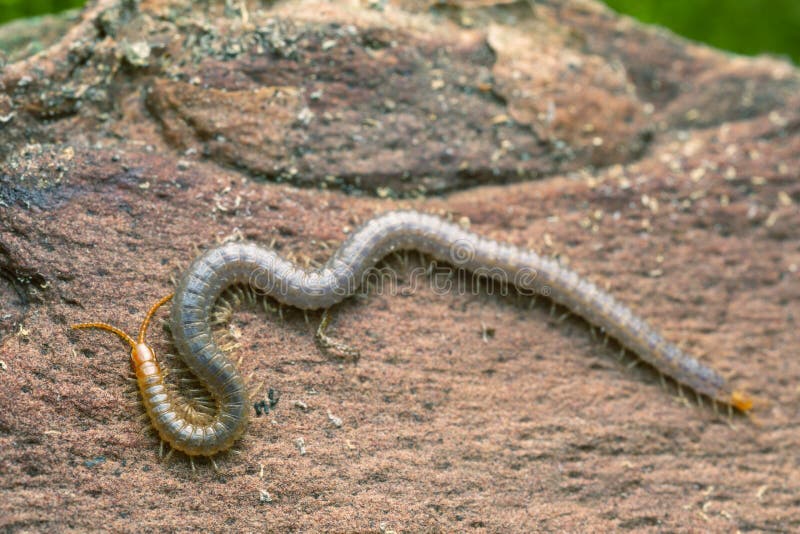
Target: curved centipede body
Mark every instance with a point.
(263, 269)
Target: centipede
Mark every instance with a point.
(269, 273)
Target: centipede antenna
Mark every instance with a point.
(108, 327)
(146, 322)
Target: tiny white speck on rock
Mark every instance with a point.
(305, 116)
(300, 443)
(336, 421)
(137, 53)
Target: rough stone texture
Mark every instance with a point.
(663, 170)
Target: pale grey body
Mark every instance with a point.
(244, 263)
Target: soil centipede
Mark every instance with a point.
(269, 273)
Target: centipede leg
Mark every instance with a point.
(168, 456)
(429, 268)
(191, 462)
(253, 392)
(399, 259)
(251, 296)
(325, 343)
(238, 297)
(214, 464)
(731, 424)
(229, 347)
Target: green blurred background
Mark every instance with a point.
(744, 26)
(16, 9)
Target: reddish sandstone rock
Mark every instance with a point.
(660, 169)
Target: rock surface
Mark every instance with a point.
(658, 168)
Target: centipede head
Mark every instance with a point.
(140, 351)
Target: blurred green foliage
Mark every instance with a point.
(15, 9)
(744, 26)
